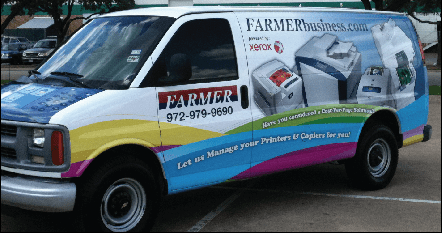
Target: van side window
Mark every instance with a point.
(200, 51)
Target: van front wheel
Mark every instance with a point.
(120, 196)
(123, 205)
(376, 159)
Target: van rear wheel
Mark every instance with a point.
(376, 159)
(120, 196)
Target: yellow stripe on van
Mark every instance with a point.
(414, 139)
(89, 141)
(173, 134)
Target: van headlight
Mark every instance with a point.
(38, 138)
(24, 54)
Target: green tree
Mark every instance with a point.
(378, 4)
(410, 7)
(54, 9)
(18, 7)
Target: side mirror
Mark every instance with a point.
(180, 69)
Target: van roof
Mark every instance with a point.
(177, 12)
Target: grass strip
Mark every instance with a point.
(5, 81)
(435, 90)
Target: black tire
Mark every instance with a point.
(376, 159)
(121, 195)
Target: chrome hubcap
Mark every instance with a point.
(379, 158)
(123, 205)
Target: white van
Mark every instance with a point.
(149, 102)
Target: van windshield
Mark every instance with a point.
(108, 52)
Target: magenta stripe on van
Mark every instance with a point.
(77, 169)
(163, 148)
(414, 132)
(302, 158)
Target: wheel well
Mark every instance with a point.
(388, 119)
(140, 152)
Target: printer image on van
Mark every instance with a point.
(397, 54)
(375, 87)
(277, 89)
(330, 69)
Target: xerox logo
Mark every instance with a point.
(260, 47)
(279, 48)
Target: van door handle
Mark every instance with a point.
(244, 96)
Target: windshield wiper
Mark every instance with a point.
(34, 72)
(72, 77)
(67, 74)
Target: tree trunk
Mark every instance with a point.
(58, 23)
(378, 4)
(8, 20)
(366, 4)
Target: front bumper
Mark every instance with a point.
(33, 59)
(39, 194)
(7, 59)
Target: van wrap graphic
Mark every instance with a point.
(304, 156)
(299, 25)
(197, 97)
(204, 157)
(292, 143)
(333, 132)
(313, 80)
(301, 158)
(279, 138)
(326, 114)
(288, 140)
(89, 141)
(414, 135)
(293, 156)
(334, 118)
(38, 103)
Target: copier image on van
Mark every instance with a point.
(330, 69)
(277, 88)
(375, 87)
(397, 54)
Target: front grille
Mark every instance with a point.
(17, 147)
(8, 152)
(31, 54)
(9, 130)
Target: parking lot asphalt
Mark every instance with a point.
(316, 198)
